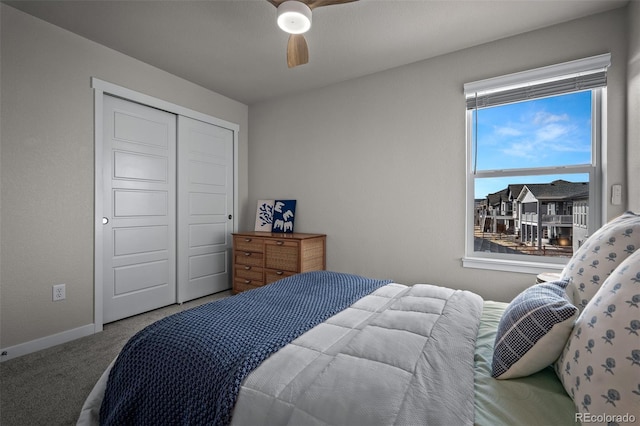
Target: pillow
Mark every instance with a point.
(533, 331)
(594, 261)
(600, 366)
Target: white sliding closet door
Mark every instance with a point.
(139, 232)
(205, 208)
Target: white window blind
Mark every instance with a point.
(582, 74)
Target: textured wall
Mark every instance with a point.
(47, 168)
(378, 162)
(633, 103)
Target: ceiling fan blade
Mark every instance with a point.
(276, 3)
(319, 3)
(313, 3)
(297, 51)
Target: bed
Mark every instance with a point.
(326, 348)
(384, 354)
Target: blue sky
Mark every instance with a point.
(543, 132)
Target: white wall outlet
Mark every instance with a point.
(59, 292)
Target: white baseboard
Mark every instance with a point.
(46, 342)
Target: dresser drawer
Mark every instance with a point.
(249, 272)
(240, 285)
(271, 275)
(241, 243)
(248, 258)
(282, 255)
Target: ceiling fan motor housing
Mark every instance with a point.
(294, 17)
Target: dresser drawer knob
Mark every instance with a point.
(247, 253)
(248, 240)
(279, 272)
(279, 243)
(247, 267)
(247, 281)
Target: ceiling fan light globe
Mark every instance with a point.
(294, 17)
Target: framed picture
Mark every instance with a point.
(283, 215)
(264, 215)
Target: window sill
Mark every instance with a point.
(519, 266)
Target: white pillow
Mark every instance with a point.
(600, 366)
(533, 331)
(594, 261)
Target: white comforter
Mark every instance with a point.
(400, 356)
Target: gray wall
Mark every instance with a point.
(47, 166)
(378, 163)
(634, 106)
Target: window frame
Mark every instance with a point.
(596, 170)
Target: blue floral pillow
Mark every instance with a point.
(600, 366)
(603, 251)
(533, 331)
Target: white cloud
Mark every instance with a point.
(543, 117)
(508, 131)
(522, 149)
(552, 132)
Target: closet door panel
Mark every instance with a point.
(139, 175)
(205, 208)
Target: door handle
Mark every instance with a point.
(105, 220)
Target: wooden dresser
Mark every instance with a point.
(261, 258)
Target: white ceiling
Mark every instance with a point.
(235, 48)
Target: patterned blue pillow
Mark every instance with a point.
(533, 331)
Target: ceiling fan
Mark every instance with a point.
(294, 17)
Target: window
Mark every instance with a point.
(533, 165)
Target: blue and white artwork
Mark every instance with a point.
(283, 215)
(264, 215)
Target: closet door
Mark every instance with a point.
(205, 208)
(139, 175)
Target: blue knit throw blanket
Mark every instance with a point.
(186, 369)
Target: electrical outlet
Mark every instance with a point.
(59, 292)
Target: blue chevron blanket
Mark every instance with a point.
(186, 369)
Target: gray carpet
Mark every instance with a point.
(49, 387)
